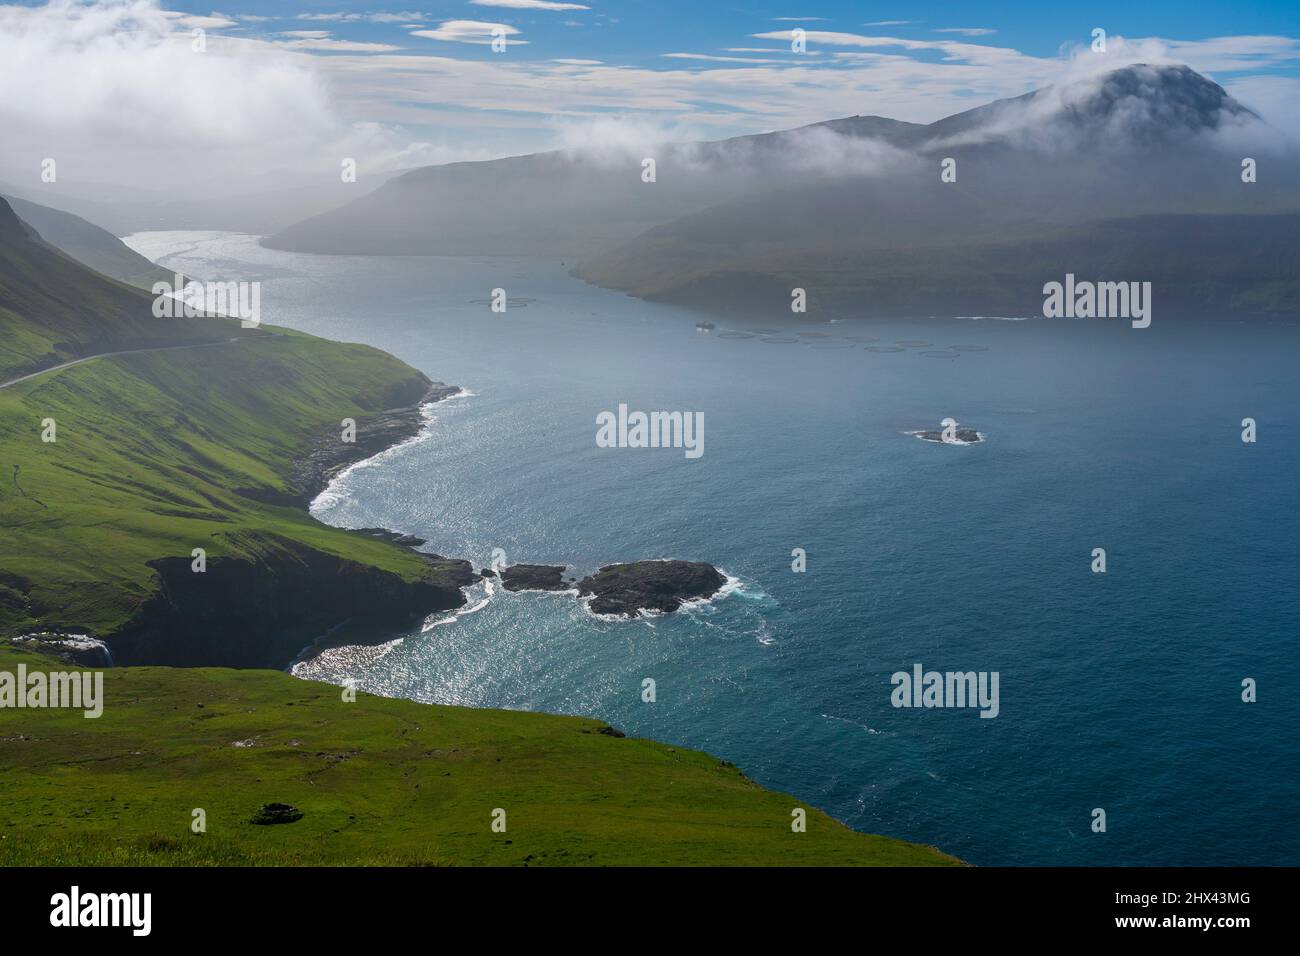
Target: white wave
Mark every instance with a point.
(70, 641)
(335, 493)
(314, 660)
(844, 720)
(489, 591)
(730, 586)
(641, 614)
(920, 434)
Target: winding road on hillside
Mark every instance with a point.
(91, 358)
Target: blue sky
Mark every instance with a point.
(639, 31)
(417, 83)
(970, 52)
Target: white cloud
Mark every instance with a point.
(215, 21)
(115, 85)
(771, 49)
(717, 59)
(529, 4)
(469, 31)
(834, 38)
(399, 17)
(115, 92)
(1276, 98)
(337, 46)
(968, 31)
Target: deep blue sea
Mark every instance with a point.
(1119, 691)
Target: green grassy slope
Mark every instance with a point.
(379, 781)
(53, 310)
(158, 453)
(150, 449)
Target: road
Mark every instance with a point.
(91, 358)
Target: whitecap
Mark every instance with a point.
(335, 493)
(489, 591)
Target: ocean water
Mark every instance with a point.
(1119, 690)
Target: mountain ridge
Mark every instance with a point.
(585, 203)
(53, 309)
(92, 246)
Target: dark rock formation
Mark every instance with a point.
(649, 585)
(409, 540)
(962, 436)
(272, 813)
(329, 455)
(535, 577)
(260, 612)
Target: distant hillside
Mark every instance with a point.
(854, 210)
(1087, 179)
(268, 205)
(1202, 266)
(90, 245)
(574, 202)
(53, 310)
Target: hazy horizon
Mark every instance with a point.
(279, 97)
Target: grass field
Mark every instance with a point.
(379, 781)
(150, 449)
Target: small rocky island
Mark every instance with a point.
(535, 577)
(649, 586)
(624, 589)
(962, 436)
(617, 589)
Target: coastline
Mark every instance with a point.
(528, 578)
(262, 607)
(620, 591)
(328, 458)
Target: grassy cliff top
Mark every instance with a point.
(149, 451)
(379, 781)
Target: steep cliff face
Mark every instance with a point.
(260, 613)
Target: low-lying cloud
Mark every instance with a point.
(115, 91)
